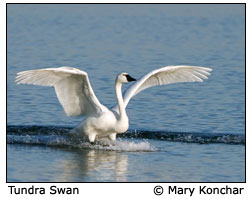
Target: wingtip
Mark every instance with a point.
(17, 82)
(209, 69)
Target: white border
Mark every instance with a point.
(108, 190)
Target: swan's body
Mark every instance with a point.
(75, 94)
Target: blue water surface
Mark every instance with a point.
(104, 40)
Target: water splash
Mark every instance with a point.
(58, 137)
(121, 145)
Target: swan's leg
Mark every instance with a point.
(92, 137)
(113, 136)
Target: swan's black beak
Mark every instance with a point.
(130, 79)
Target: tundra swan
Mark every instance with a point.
(74, 92)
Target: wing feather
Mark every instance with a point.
(72, 87)
(166, 75)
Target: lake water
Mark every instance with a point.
(179, 132)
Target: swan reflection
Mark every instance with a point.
(93, 165)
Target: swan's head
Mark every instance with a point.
(125, 78)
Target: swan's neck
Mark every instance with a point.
(122, 111)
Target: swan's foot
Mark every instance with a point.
(113, 136)
(92, 138)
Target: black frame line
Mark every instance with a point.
(131, 182)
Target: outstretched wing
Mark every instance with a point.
(166, 75)
(72, 87)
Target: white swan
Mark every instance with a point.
(75, 94)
